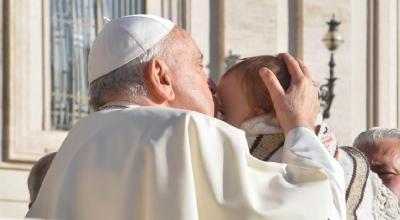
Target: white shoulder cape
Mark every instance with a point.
(159, 163)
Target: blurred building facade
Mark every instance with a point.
(44, 46)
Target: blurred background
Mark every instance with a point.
(43, 62)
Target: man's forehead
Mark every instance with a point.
(388, 147)
(186, 45)
(183, 35)
(186, 39)
(197, 50)
(389, 143)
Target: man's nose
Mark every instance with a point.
(212, 86)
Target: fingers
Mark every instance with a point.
(271, 82)
(292, 65)
(304, 68)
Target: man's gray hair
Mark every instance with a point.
(127, 81)
(375, 135)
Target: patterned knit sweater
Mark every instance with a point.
(366, 196)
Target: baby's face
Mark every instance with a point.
(233, 105)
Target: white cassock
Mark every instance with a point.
(160, 163)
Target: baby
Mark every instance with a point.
(244, 102)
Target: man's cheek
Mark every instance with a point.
(392, 183)
(395, 187)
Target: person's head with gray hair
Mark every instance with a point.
(148, 61)
(375, 135)
(381, 146)
(126, 83)
(37, 174)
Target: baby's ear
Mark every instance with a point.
(258, 111)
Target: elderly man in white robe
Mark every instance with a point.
(153, 150)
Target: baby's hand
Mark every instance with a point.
(299, 106)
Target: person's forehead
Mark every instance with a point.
(385, 148)
(197, 52)
(185, 38)
(192, 50)
(230, 84)
(392, 144)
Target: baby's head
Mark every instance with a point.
(243, 95)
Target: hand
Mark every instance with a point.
(299, 106)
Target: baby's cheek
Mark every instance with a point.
(233, 118)
(226, 117)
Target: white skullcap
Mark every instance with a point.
(122, 40)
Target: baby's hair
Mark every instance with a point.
(256, 92)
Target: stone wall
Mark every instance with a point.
(263, 27)
(13, 177)
(316, 56)
(13, 193)
(253, 27)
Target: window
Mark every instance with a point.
(45, 63)
(73, 27)
(45, 82)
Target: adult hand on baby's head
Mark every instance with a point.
(299, 105)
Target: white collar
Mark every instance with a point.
(118, 105)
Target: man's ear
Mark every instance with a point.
(159, 81)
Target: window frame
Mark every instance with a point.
(27, 76)
(25, 137)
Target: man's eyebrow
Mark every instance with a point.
(201, 56)
(379, 166)
(383, 167)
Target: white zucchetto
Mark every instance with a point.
(122, 40)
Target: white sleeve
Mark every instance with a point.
(303, 148)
